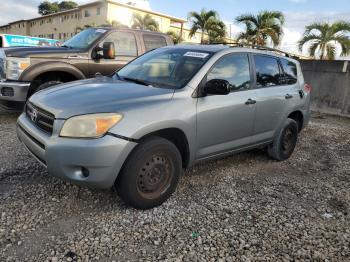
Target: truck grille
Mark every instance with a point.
(41, 118)
(2, 68)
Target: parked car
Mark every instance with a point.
(165, 111)
(7, 40)
(24, 71)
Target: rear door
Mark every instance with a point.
(271, 96)
(125, 44)
(225, 122)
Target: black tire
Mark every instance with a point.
(150, 174)
(47, 84)
(285, 141)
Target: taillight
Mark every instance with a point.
(307, 88)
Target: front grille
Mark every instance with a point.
(2, 68)
(41, 118)
(7, 91)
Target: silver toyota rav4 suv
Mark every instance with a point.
(163, 112)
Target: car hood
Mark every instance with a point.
(39, 51)
(98, 95)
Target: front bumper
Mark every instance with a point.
(69, 159)
(14, 91)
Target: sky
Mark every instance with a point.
(298, 13)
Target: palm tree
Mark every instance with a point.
(203, 21)
(177, 38)
(324, 38)
(217, 32)
(145, 22)
(263, 28)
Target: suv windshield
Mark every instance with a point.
(165, 67)
(84, 39)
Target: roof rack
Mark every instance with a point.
(258, 47)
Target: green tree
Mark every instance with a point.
(145, 22)
(262, 28)
(217, 32)
(324, 38)
(67, 5)
(177, 38)
(202, 21)
(46, 7)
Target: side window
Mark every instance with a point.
(234, 69)
(153, 41)
(267, 71)
(290, 71)
(124, 43)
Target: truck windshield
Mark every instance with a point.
(84, 39)
(165, 67)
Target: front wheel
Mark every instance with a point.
(285, 141)
(151, 173)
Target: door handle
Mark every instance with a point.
(250, 102)
(288, 96)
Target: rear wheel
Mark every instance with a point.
(285, 142)
(150, 174)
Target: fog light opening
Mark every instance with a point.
(85, 172)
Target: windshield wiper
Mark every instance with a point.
(66, 46)
(135, 80)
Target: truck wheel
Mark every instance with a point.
(150, 174)
(285, 141)
(47, 84)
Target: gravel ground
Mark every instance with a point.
(242, 208)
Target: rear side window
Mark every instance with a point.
(268, 71)
(290, 71)
(153, 41)
(124, 43)
(234, 69)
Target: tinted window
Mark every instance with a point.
(234, 69)
(267, 71)
(290, 71)
(124, 43)
(153, 41)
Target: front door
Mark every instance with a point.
(125, 50)
(225, 122)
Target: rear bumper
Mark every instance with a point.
(89, 162)
(14, 91)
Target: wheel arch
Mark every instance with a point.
(177, 137)
(298, 117)
(37, 70)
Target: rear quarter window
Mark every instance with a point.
(290, 71)
(154, 41)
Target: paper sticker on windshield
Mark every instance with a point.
(196, 54)
(101, 31)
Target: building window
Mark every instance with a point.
(87, 13)
(98, 11)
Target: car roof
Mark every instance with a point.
(216, 48)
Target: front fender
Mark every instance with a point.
(37, 69)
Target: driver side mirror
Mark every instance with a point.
(107, 49)
(217, 87)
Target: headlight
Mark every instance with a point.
(89, 126)
(15, 66)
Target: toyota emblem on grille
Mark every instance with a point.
(34, 115)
